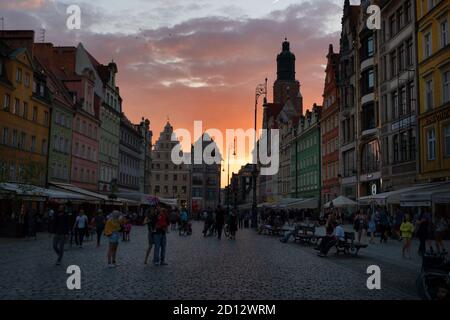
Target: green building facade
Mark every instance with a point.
(306, 157)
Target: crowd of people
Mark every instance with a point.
(219, 221)
(114, 226)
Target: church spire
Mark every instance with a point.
(286, 63)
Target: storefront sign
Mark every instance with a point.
(438, 116)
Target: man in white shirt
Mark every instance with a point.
(80, 227)
(338, 235)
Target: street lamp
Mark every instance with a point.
(261, 89)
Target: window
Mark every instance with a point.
(370, 47)
(447, 140)
(18, 75)
(394, 64)
(401, 58)
(403, 108)
(392, 24)
(27, 80)
(25, 110)
(5, 137)
(408, 11)
(409, 52)
(429, 94)
(14, 138)
(427, 45)
(444, 33)
(431, 144)
(35, 114)
(446, 86)
(6, 102)
(44, 147)
(33, 144)
(395, 111)
(16, 107)
(46, 118)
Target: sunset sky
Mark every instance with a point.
(190, 60)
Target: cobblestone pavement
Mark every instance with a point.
(252, 267)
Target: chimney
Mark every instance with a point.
(16, 39)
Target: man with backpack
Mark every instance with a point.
(161, 226)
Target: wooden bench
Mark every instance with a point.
(306, 234)
(349, 246)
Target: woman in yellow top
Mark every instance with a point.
(112, 231)
(407, 230)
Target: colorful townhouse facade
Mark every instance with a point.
(60, 147)
(308, 157)
(348, 86)
(329, 127)
(433, 18)
(398, 94)
(25, 111)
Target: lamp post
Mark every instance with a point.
(261, 89)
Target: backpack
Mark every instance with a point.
(161, 222)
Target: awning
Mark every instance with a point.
(245, 206)
(310, 203)
(42, 194)
(153, 200)
(74, 189)
(265, 204)
(341, 202)
(393, 197)
(426, 197)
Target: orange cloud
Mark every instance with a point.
(23, 4)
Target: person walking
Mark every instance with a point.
(233, 224)
(80, 227)
(183, 222)
(372, 228)
(60, 229)
(150, 222)
(406, 233)
(384, 226)
(99, 223)
(161, 226)
(112, 231)
(220, 221)
(422, 227)
(441, 231)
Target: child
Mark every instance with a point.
(407, 230)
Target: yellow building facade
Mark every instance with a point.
(433, 17)
(24, 119)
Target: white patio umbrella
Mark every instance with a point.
(341, 202)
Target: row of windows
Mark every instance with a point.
(109, 148)
(430, 102)
(20, 172)
(308, 143)
(330, 124)
(400, 59)
(85, 176)
(127, 179)
(26, 79)
(401, 102)
(129, 162)
(397, 21)
(108, 174)
(61, 145)
(428, 39)
(130, 139)
(309, 181)
(20, 140)
(85, 152)
(431, 142)
(86, 128)
(330, 146)
(165, 189)
(166, 166)
(330, 170)
(22, 110)
(166, 177)
(59, 171)
(63, 120)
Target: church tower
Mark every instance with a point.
(286, 87)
